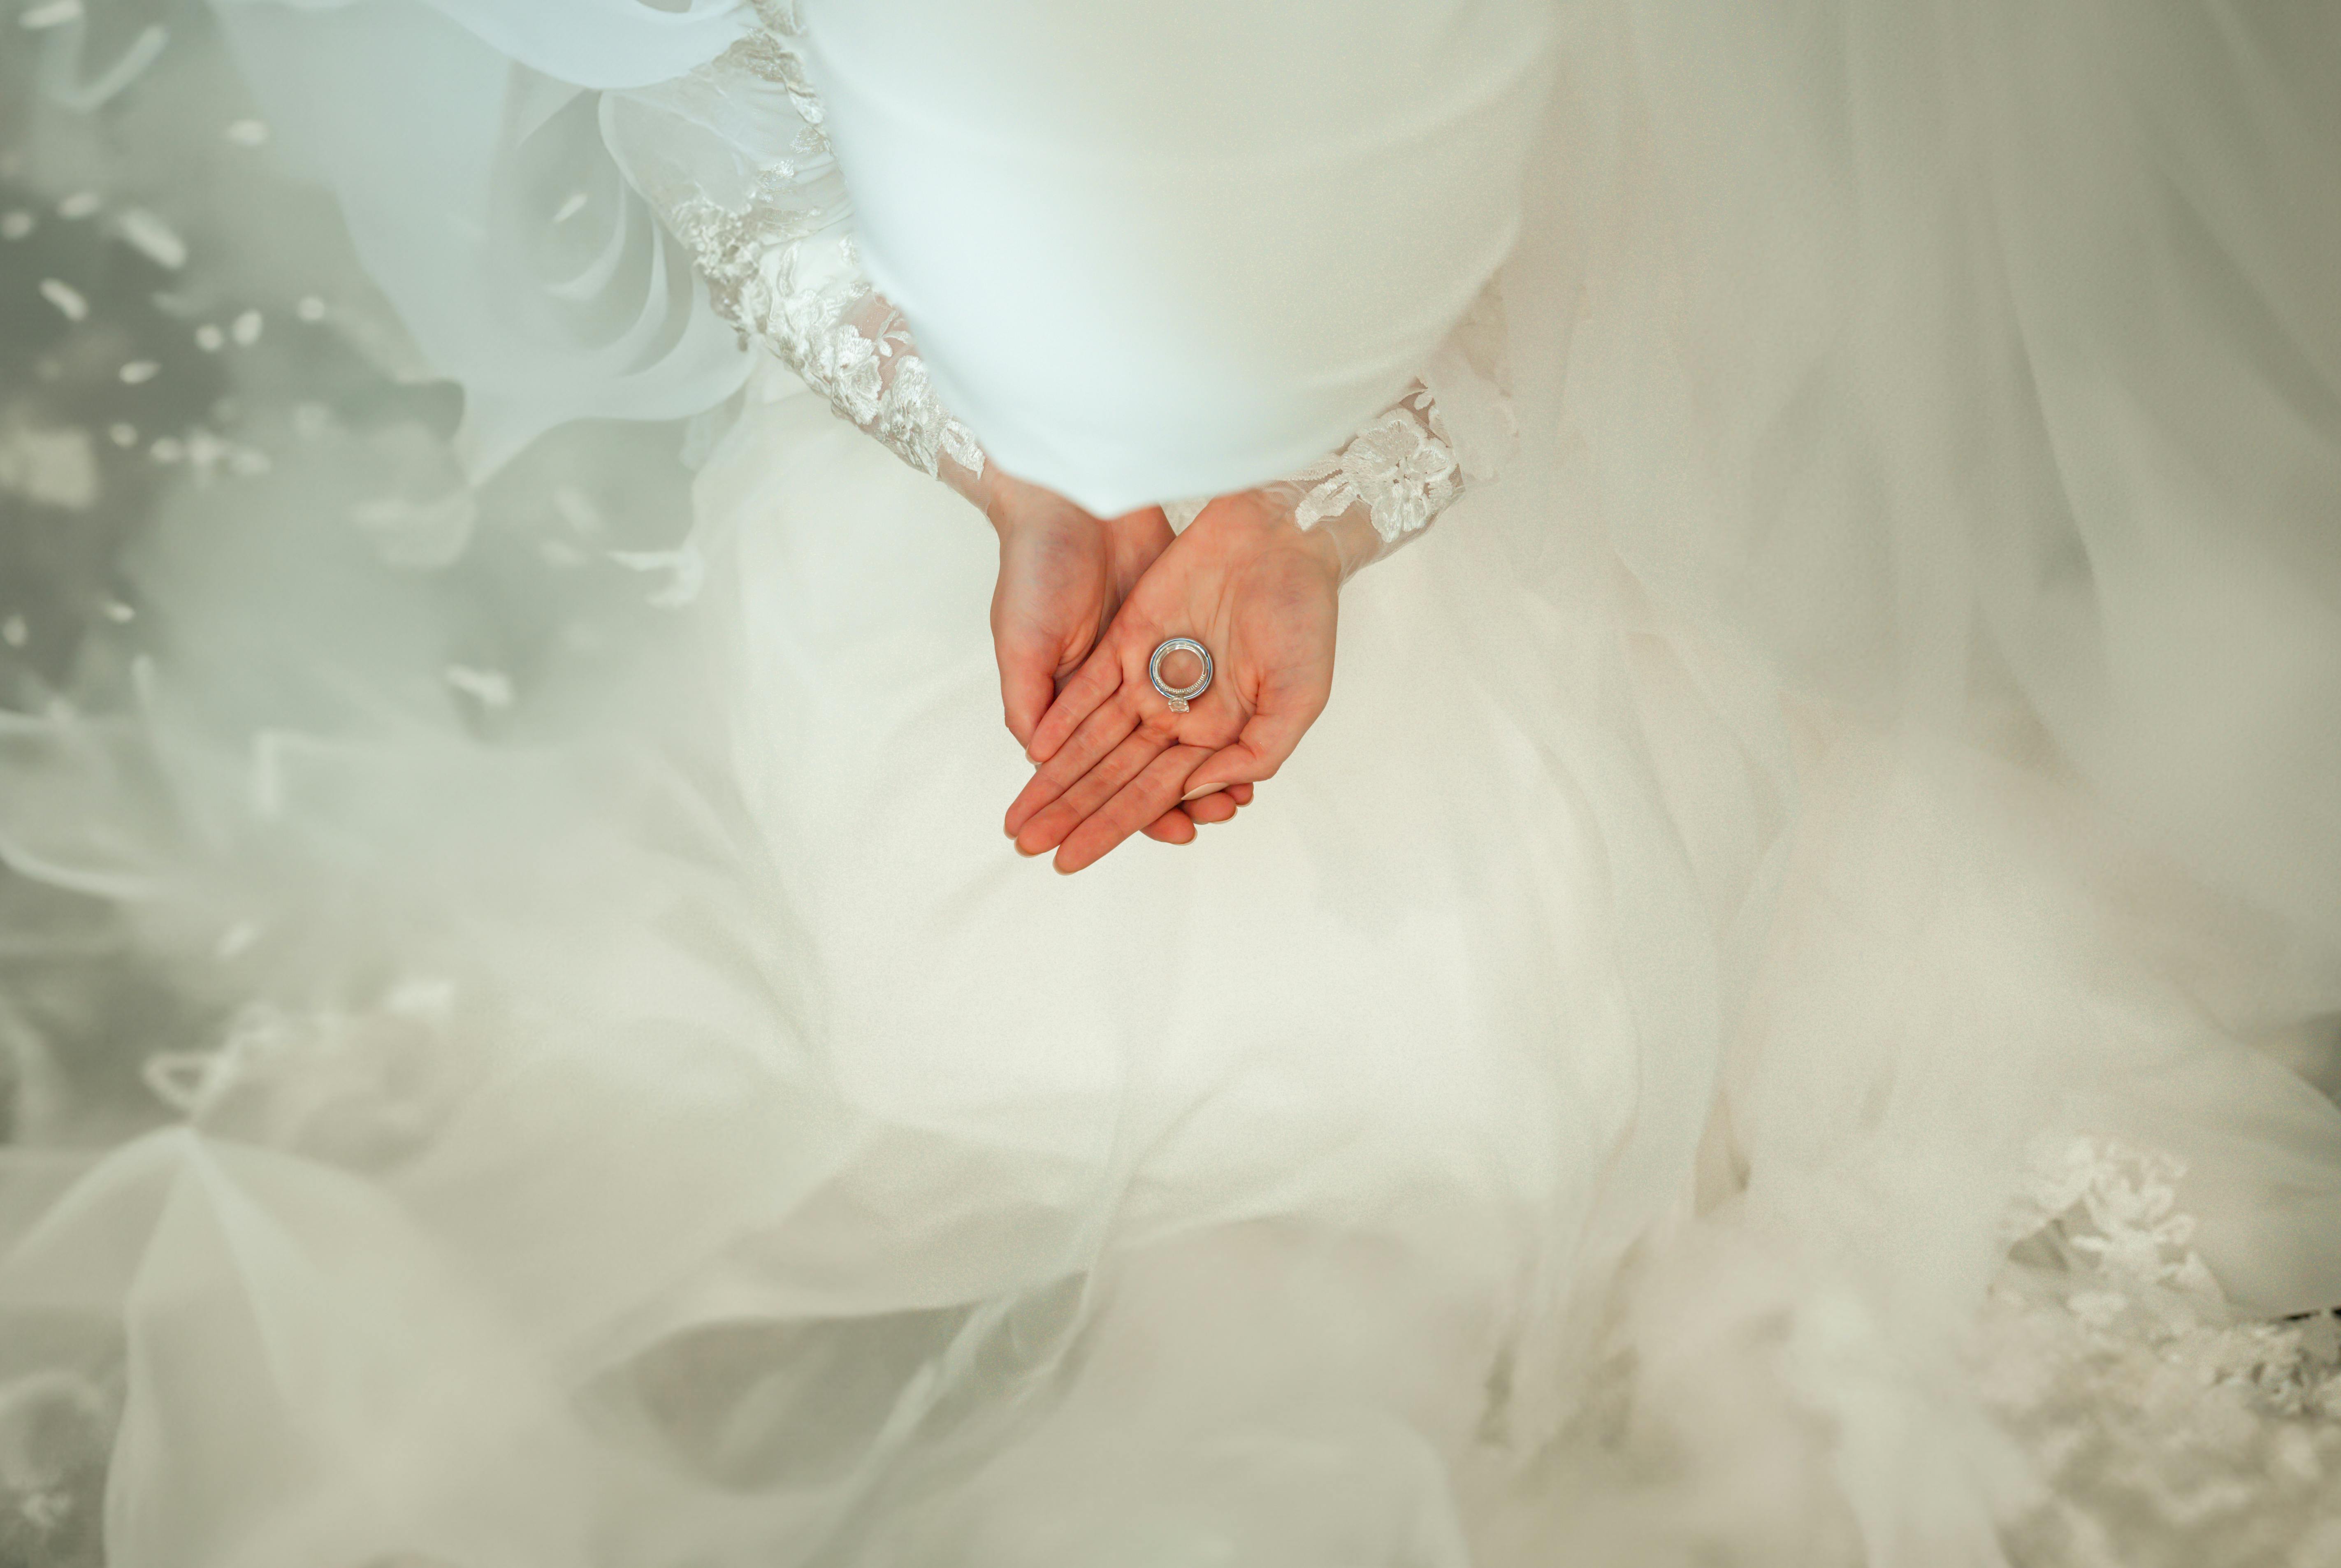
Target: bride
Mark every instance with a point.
(1727, 631)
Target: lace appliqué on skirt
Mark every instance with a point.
(2167, 1429)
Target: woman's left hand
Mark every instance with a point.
(1262, 593)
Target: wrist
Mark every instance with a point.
(1326, 543)
(967, 486)
(1269, 514)
(1010, 505)
(982, 490)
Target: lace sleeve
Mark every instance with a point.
(1450, 429)
(737, 159)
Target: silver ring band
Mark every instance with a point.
(1179, 697)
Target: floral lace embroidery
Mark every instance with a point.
(773, 53)
(849, 344)
(2118, 1209)
(1400, 468)
(2168, 1430)
(779, 271)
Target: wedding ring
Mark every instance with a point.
(1179, 697)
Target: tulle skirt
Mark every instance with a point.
(1766, 1023)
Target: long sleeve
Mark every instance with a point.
(737, 158)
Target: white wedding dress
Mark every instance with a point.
(1774, 1019)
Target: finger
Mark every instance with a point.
(1048, 826)
(1027, 683)
(1098, 679)
(1090, 744)
(1216, 803)
(1155, 789)
(1173, 826)
(1267, 740)
(1211, 808)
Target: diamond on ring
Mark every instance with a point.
(1179, 697)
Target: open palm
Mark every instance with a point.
(1063, 574)
(1262, 595)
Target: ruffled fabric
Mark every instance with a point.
(466, 145)
(1728, 1042)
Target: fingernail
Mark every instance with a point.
(1199, 793)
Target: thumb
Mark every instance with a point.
(1267, 739)
(1027, 684)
